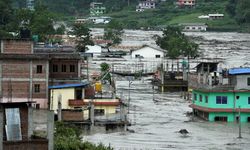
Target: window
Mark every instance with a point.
(55, 68)
(157, 56)
(248, 100)
(221, 99)
(37, 88)
(195, 97)
(248, 81)
(72, 68)
(220, 118)
(200, 98)
(64, 68)
(99, 112)
(39, 69)
(206, 99)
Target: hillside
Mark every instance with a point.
(166, 13)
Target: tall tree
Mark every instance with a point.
(113, 32)
(243, 11)
(83, 37)
(176, 43)
(6, 16)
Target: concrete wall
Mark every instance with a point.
(147, 52)
(68, 93)
(241, 82)
(231, 97)
(17, 47)
(231, 117)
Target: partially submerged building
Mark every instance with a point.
(221, 96)
(148, 52)
(75, 102)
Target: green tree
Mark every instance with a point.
(230, 7)
(83, 37)
(176, 43)
(68, 138)
(113, 32)
(105, 72)
(243, 11)
(6, 17)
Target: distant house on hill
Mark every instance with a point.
(185, 3)
(97, 9)
(148, 52)
(145, 4)
(194, 26)
(212, 16)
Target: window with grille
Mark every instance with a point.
(37, 88)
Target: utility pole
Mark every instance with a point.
(59, 107)
(129, 85)
(87, 68)
(239, 125)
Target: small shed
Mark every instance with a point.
(240, 78)
(94, 50)
(148, 52)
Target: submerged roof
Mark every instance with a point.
(235, 71)
(83, 84)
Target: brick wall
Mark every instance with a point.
(69, 115)
(16, 89)
(15, 69)
(17, 47)
(34, 67)
(62, 75)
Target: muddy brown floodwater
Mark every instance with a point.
(156, 123)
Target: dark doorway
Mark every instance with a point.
(220, 118)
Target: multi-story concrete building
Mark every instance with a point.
(222, 96)
(26, 72)
(23, 74)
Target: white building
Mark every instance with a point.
(216, 16)
(146, 4)
(30, 4)
(100, 20)
(194, 27)
(94, 50)
(148, 52)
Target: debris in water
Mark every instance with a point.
(183, 131)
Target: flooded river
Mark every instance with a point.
(156, 125)
(156, 122)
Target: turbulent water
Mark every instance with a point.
(156, 122)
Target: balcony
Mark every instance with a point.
(76, 102)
